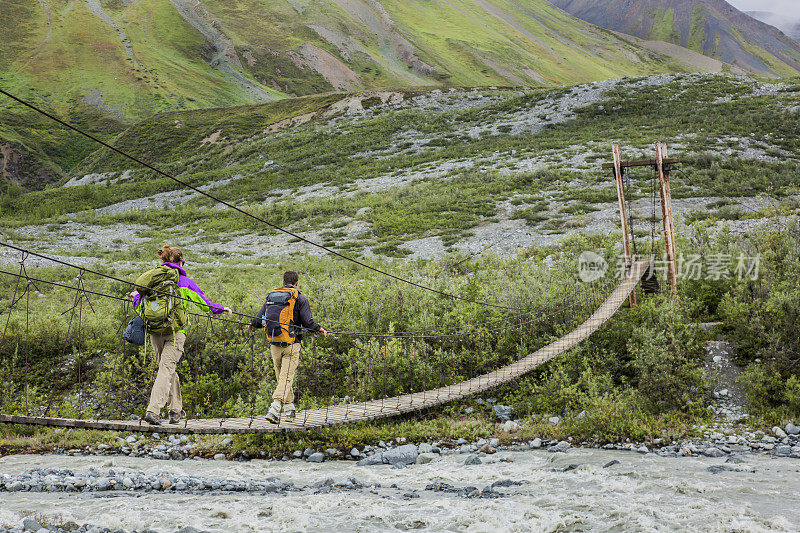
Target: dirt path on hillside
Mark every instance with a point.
(729, 400)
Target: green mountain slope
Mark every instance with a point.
(124, 60)
(136, 57)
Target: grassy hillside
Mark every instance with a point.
(131, 59)
(125, 61)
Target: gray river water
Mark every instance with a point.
(641, 493)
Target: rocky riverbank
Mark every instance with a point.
(718, 440)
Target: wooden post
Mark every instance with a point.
(666, 212)
(626, 243)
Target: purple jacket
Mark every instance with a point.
(189, 290)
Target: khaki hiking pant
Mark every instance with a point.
(285, 359)
(168, 349)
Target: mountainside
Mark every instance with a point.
(711, 27)
(108, 63)
(131, 58)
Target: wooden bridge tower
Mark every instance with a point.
(661, 165)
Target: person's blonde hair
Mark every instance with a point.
(170, 254)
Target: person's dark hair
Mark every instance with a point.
(290, 277)
(170, 254)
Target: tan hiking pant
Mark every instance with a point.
(169, 349)
(285, 359)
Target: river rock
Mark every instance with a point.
(536, 443)
(29, 524)
(783, 450)
(226, 442)
(376, 459)
(791, 429)
(713, 452)
(554, 420)
(424, 448)
(131, 439)
(425, 458)
(778, 432)
(317, 457)
(219, 457)
(503, 412)
(127, 483)
(473, 460)
(487, 449)
(611, 463)
(354, 453)
(562, 446)
(405, 454)
(510, 426)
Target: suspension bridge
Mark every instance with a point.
(601, 299)
(428, 368)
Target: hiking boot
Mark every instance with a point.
(290, 411)
(176, 416)
(152, 418)
(274, 413)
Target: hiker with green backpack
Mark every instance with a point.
(161, 299)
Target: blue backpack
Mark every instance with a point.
(134, 333)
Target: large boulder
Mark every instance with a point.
(427, 457)
(405, 455)
(562, 446)
(713, 451)
(376, 459)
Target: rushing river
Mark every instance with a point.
(641, 493)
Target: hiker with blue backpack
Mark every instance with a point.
(284, 316)
(161, 299)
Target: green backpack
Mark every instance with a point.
(159, 307)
